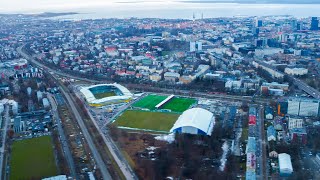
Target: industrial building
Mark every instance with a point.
(103, 94)
(194, 121)
(285, 165)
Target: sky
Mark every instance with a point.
(51, 5)
(37, 6)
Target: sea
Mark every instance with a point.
(183, 10)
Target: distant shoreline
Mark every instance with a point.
(41, 15)
(249, 2)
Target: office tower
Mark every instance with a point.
(314, 24)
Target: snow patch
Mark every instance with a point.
(169, 138)
(223, 160)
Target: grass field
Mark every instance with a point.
(177, 104)
(105, 94)
(32, 159)
(157, 121)
(149, 101)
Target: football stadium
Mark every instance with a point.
(103, 94)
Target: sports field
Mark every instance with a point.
(32, 159)
(149, 102)
(105, 94)
(178, 104)
(156, 121)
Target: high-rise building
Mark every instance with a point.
(259, 23)
(314, 24)
(195, 46)
(199, 46)
(192, 46)
(299, 26)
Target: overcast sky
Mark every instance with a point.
(36, 6)
(50, 5)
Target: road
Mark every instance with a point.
(98, 159)
(113, 148)
(62, 137)
(103, 168)
(301, 85)
(261, 155)
(4, 136)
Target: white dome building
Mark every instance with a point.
(194, 121)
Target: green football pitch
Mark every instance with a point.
(157, 121)
(32, 159)
(177, 104)
(149, 102)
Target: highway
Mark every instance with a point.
(62, 137)
(113, 148)
(301, 85)
(103, 168)
(98, 159)
(4, 136)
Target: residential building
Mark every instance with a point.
(295, 122)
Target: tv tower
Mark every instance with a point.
(194, 17)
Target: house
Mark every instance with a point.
(268, 112)
(171, 76)
(273, 154)
(271, 134)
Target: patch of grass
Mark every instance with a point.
(156, 121)
(105, 94)
(149, 102)
(178, 104)
(129, 160)
(32, 159)
(244, 135)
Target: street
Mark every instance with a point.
(4, 136)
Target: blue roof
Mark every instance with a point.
(271, 131)
(268, 110)
(251, 146)
(251, 175)
(298, 131)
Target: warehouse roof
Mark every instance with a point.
(285, 162)
(196, 117)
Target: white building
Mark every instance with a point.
(285, 164)
(296, 71)
(267, 51)
(59, 177)
(293, 107)
(194, 121)
(232, 84)
(192, 46)
(295, 122)
(45, 103)
(195, 46)
(303, 107)
(309, 107)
